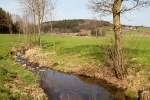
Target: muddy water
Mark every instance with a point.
(61, 86)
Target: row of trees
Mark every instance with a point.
(11, 23)
(36, 12)
(6, 24)
(30, 23)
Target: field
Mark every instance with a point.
(72, 51)
(86, 50)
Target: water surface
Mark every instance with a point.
(60, 86)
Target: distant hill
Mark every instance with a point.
(73, 26)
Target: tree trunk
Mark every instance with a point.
(10, 28)
(119, 67)
(39, 32)
(51, 21)
(35, 35)
(51, 24)
(144, 94)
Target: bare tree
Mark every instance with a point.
(117, 7)
(24, 24)
(39, 9)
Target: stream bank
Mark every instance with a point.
(63, 86)
(42, 61)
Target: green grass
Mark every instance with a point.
(74, 51)
(9, 69)
(138, 46)
(87, 50)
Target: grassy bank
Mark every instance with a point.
(88, 55)
(78, 50)
(15, 82)
(81, 55)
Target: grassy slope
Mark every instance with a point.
(78, 50)
(9, 70)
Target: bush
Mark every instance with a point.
(98, 32)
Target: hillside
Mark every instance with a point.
(73, 26)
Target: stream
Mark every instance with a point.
(61, 86)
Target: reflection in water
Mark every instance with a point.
(59, 86)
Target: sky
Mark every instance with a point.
(78, 9)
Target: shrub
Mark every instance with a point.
(98, 32)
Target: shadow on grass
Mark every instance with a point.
(87, 51)
(47, 45)
(136, 52)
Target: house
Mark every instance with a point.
(83, 32)
(130, 28)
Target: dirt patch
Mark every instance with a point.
(146, 33)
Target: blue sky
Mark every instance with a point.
(74, 9)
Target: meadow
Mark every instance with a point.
(83, 50)
(72, 51)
